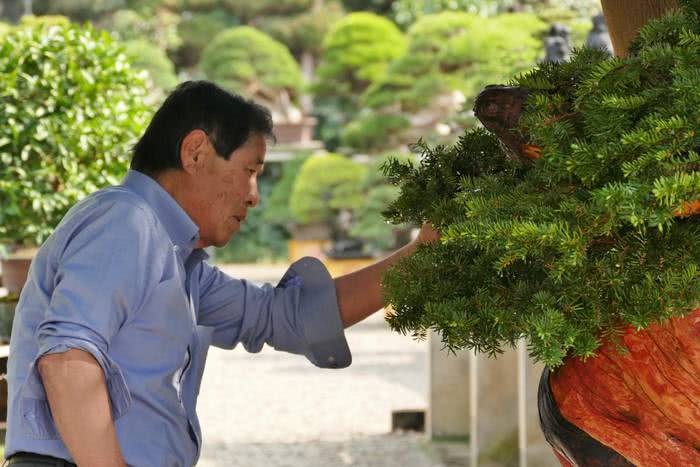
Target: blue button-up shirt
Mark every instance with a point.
(120, 279)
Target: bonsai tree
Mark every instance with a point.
(72, 108)
(247, 61)
(146, 56)
(573, 225)
(451, 57)
(356, 52)
(328, 189)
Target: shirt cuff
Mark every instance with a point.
(35, 409)
(320, 315)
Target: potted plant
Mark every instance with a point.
(71, 108)
(324, 200)
(571, 223)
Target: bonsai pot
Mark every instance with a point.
(637, 405)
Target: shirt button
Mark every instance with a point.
(331, 359)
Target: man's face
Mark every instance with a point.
(225, 190)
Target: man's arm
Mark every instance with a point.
(360, 294)
(77, 393)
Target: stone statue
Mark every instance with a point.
(599, 38)
(557, 44)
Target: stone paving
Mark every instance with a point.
(277, 410)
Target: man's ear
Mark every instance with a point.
(193, 150)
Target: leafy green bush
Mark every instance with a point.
(356, 52)
(373, 132)
(458, 51)
(247, 61)
(71, 110)
(146, 56)
(325, 185)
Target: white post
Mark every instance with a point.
(522, 402)
(473, 409)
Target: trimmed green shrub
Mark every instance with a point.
(146, 56)
(458, 51)
(71, 110)
(373, 132)
(247, 61)
(356, 52)
(325, 185)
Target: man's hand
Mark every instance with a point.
(359, 293)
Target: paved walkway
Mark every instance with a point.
(278, 410)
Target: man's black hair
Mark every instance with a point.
(228, 119)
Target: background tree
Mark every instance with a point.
(249, 62)
(327, 185)
(451, 57)
(356, 53)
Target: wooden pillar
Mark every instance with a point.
(624, 18)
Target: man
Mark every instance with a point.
(113, 326)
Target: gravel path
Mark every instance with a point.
(278, 410)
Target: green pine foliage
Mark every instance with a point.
(568, 250)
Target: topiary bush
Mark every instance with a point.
(374, 132)
(325, 185)
(71, 110)
(356, 52)
(249, 62)
(458, 51)
(144, 55)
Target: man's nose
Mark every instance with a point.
(253, 196)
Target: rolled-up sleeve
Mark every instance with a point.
(103, 273)
(300, 315)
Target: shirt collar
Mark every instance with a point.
(183, 232)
